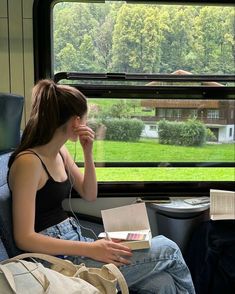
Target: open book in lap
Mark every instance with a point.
(222, 205)
(128, 224)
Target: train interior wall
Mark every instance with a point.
(16, 49)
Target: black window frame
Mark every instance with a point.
(42, 36)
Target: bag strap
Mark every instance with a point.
(51, 259)
(9, 277)
(114, 270)
(38, 275)
(30, 269)
(117, 273)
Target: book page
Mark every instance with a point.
(126, 218)
(222, 204)
(139, 235)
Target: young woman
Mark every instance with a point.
(40, 173)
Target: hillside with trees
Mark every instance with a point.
(118, 37)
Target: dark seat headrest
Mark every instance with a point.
(11, 107)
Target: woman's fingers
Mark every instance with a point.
(86, 135)
(121, 260)
(118, 260)
(119, 253)
(110, 252)
(119, 246)
(84, 131)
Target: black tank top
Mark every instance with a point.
(49, 211)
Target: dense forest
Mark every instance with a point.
(119, 37)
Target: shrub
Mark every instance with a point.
(193, 133)
(210, 136)
(190, 133)
(123, 129)
(169, 132)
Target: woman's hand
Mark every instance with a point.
(86, 137)
(110, 252)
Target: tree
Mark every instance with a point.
(136, 39)
(86, 56)
(214, 39)
(103, 45)
(177, 42)
(68, 57)
(71, 24)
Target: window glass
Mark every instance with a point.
(139, 139)
(160, 139)
(213, 113)
(141, 38)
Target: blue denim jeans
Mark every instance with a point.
(160, 269)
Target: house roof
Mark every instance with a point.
(181, 103)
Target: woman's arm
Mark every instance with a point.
(85, 184)
(25, 180)
(101, 250)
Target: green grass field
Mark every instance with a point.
(165, 174)
(150, 151)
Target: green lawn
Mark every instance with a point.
(150, 151)
(165, 174)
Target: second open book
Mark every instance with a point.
(222, 205)
(129, 224)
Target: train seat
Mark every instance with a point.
(3, 252)
(11, 108)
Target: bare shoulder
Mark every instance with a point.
(25, 162)
(26, 158)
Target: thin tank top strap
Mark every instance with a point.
(63, 161)
(61, 156)
(43, 164)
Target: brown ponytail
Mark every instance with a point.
(53, 105)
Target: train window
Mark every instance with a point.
(128, 140)
(159, 77)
